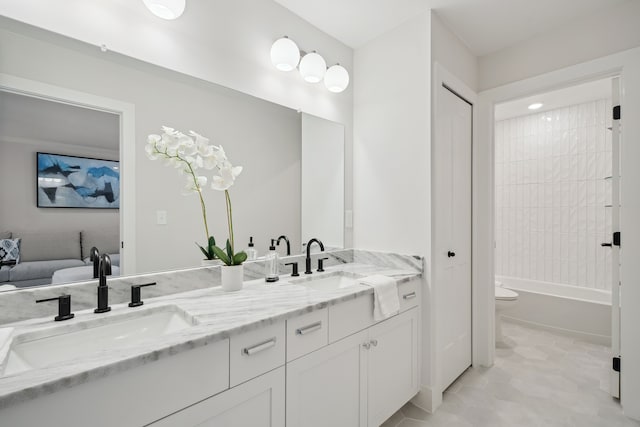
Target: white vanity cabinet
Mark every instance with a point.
(358, 381)
(334, 366)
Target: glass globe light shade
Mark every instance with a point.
(313, 67)
(336, 79)
(285, 54)
(166, 9)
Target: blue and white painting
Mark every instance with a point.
(77, 182)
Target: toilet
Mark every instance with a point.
(505, 299)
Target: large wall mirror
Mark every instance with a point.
(292, 183)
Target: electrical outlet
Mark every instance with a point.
(161, 217)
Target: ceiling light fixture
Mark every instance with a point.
(285, 54)
(312, 67)
(535, 106)
(166, 9)
(336, 78)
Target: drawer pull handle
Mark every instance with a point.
(250, 351)
(410, 295)
(309, 328)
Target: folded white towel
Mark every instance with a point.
(385, 296)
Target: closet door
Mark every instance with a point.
(452, 233)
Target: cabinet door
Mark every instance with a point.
(328, 387)
(257, 403)
(392, 365)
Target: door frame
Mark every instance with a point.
(127, 149)
(443, 77)
(626, 64)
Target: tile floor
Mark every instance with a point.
(539, 379)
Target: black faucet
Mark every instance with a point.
(308, 260)
(103, 289)
(94, 256)
(288, 244)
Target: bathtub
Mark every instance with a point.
(581, 312)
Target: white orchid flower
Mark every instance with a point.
(224, 180)
(151, 151)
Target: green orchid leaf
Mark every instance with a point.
(223, 257)
(204, 251)
(239, 258)
(229, 250)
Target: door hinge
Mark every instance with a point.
(616, 364)
(616, 238)
(616, 112)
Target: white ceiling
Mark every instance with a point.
(25, 118)
(485, 26)
(599, 89)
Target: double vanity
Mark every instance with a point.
(303, 351)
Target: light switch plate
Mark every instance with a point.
(348, 219)
(161, 217)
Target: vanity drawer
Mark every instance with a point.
(256, 352)
(349, 317)
(409, 294)
(307, 333)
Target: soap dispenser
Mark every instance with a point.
(271, 264)
(252, 253)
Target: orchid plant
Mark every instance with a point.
(191, 154)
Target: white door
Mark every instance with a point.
(615, 250)
(328, 387)
(452, 233)
(392, 365)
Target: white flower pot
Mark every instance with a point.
(210, 262)
(232, 276)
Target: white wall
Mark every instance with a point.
(18, 209)
(392, 181)
(449, 51)
(550, 193)
(261, 136)
(391, 140)
(609, 31)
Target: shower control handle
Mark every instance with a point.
(451, 254)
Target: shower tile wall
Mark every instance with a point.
(551, 194)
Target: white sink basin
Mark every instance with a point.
(329, 282)
(82, 340)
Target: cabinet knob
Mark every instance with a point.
(374, 343)
(366, 346)
(451, 254)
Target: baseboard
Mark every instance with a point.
(584, 336)
(427, 399)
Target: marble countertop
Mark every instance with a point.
(215, 315)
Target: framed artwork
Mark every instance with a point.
(77, 182)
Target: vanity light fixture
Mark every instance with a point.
(535, 106)
(312, 67)
(336, 78)
(166, 9)
(285, 54)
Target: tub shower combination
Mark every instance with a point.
(579, 311)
